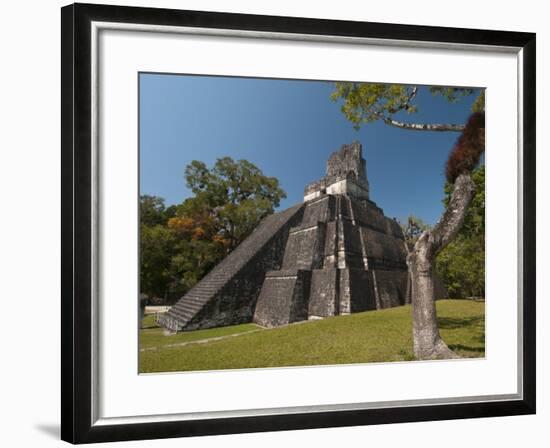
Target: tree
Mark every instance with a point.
(235, 194)
(365, 103)
(180, 244)
(157, 247)
(462, 160)
(200, 246)
(461, 264)
(153, 211)
(413, 229)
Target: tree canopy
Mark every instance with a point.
(235, 195)
(367, 102)
(181, 243)
(152, 210)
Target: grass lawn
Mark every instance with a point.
(373, 336)
(151, 336)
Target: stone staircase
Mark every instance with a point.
(188, 309)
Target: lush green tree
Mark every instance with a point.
(236, 194)
(461, 265)
(153, 211)
(180, 244)
(200, 244)
(366, 103)
(157, 247)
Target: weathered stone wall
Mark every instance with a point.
(355, 265)
(320, 210)
(325, 293)
(367, 214)
(349, 246)
(346, 174)
(331, 245)
(227, 295)
(384, 251)
(348, 160)
(361, 286)
(391, 287)
(284, 298)
(393, 228)
(304, 248)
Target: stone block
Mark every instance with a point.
(390, 287)
(283, 298)
(324, 296)
(305, 247)
(361, 290)
(383, 251)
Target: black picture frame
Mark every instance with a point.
(76, 232)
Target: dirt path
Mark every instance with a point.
(199, 341)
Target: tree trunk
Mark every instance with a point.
(426, 339)
(439, 127)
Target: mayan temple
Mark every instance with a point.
(335, 253)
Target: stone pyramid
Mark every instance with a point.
(336, 253)
(344, 257)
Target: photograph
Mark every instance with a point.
(294, 223)
(275, 224)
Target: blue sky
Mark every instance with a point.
(288, 129)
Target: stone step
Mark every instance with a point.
(200, 296)
(208, 287)
(203, 293)
(185, 314)
(195, 300)
(191, 307)
(209, 283)
(182, 316)
(215, 281)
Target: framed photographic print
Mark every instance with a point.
(275, 223)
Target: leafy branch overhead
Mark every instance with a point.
(366, 103)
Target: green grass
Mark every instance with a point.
(374, 336)
(152, 336)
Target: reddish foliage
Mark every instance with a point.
(468, 148)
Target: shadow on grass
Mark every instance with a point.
(451, 323)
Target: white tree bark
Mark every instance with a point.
(439, 127)
(427, 341)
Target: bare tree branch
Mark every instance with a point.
(438, 127)
(411, 97)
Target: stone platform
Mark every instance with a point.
(345, 257)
